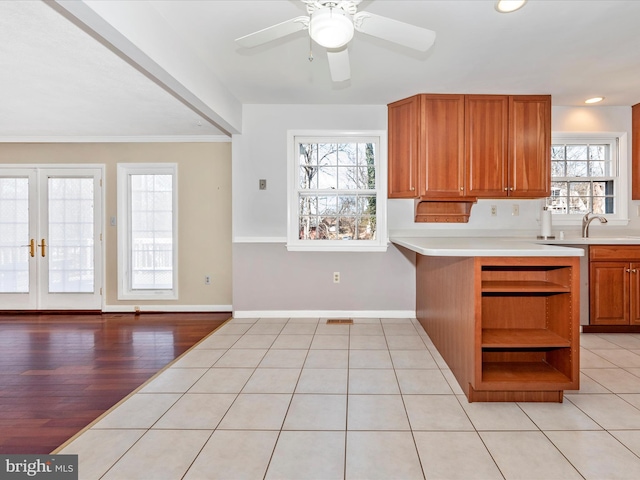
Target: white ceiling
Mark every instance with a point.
(57, 79)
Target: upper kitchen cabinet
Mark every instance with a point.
(404, 143)
(635, 152)
(441, 166)
(530, 146)
(463, 147)
(486, 145)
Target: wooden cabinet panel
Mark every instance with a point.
(441, 170)
(530, 146)
(486, 145)
(450, 147)
(634, 289)
(507, 327)
(403, 147)
(635, 152)
(614, 285)
(609, 292)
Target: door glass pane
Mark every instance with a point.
(71, 246)
(14, 235)
(152, 232)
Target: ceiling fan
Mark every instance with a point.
(331, 24)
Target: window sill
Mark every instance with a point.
(567, 222)
(337, 247)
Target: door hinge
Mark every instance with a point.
(100, 182)
(100, 290)
(100, 237)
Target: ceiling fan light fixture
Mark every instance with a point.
(508, 6)
(331, 27)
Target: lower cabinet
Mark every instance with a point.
(614, 285)
(507, 327)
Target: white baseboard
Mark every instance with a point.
(166, 308)
(324, 313)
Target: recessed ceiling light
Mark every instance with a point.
(508, 6)
(594, 100)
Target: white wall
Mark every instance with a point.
(267, 277)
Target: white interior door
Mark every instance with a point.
(50, 239)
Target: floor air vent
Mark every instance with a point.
(340, 321)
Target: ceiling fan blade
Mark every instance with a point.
(394, 31)
(339, 65)
(274, 32)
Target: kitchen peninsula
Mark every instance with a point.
(503, 314)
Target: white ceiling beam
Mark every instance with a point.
(139, 34)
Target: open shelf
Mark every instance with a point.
(522, 338)
(508, 327)
(522, 373)
(523, 286)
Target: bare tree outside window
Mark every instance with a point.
(337, 191)
(583, 178)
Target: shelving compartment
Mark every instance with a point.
(526, 330)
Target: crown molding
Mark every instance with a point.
(118, 139)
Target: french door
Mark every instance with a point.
(50, 238)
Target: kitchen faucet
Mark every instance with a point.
(586, 221)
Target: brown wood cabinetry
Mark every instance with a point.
(530, 146)
(507, 327)
(470, 146)
(635, 152)
(404, 142)
(486, 145)
(614, 285)
(441, 167)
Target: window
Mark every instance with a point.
(585, 177)
(147, 233)
(336, 192)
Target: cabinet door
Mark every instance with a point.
(530, 146)
(441, 169)
(404, 138)
(635, 294)
(635, 152)
(609, 293)
(486, 152)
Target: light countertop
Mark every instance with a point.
(621, 240)
(483, 247)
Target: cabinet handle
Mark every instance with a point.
(461, 188)
(412, 188)
(634, 271)
(628, 270)
(506, 188)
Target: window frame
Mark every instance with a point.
(618, 141)
(124, 172)
(294, 138)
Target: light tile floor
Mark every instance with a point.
(300, 399)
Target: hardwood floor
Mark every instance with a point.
(60, 372)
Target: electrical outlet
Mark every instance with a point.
(494, 210)
(336, 277)
(207, 280)
(515, 210)
(263, 184)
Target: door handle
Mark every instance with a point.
(43, 245)
(32, 247)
